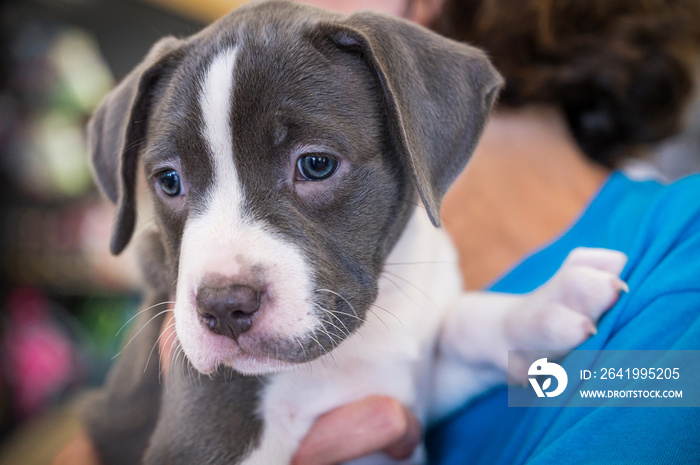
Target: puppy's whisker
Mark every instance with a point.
(188, 374)
(140, 312)
(330, 352)
(379, 318)
(172, 360)
(400, 289)
(155, 344)
(171, 365)
(390, 313)
(425, 294)
(312, 331)
(165, 344)
(325, 331)
(303, 350)
(308, 363)
(329, 313)
(183, 370)
(322, 320)
(175, 345)
(180, 351)
(338, 312)
(346, 300)
(139, 332)
(443, 262)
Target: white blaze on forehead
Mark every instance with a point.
(222, 240)
(215, 101)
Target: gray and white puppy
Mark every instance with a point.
(285, 149)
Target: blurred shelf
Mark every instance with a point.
(124, 29)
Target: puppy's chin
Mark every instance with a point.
(228, 354)
(208, 352)
(256, 366)
(241, 362)
(207, 355)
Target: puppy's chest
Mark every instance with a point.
(390, 354)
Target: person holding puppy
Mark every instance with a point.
(587, 84)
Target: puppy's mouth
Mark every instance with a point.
(266, 346)
(243, 355)
(252, 355)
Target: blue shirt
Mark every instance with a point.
(658, 227)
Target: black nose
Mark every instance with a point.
(228, 310)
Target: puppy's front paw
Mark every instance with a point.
(564, 312)
(588, 282)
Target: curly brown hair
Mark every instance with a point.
(620, 70)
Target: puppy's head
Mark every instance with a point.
(283, 148)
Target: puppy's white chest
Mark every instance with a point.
(390, 354)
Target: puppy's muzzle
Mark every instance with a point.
(228, 310)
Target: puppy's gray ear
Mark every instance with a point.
(437, 93)
(116, 133)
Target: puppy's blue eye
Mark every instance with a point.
(170, 184)
(317, 167)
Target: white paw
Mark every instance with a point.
(564, 312)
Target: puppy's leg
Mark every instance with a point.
(206, 419)
(564, 312)
(121, 417)
(481, 327)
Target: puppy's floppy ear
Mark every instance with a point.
(117, 130)
(437, 93)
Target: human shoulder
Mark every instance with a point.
(662, 271)
(640, 217)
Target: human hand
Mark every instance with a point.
(373, 424)
(80, 451)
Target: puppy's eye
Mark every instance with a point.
(316, 167)
(170, 183)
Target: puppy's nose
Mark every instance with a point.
(228, 310)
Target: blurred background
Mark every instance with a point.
(63, 298)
